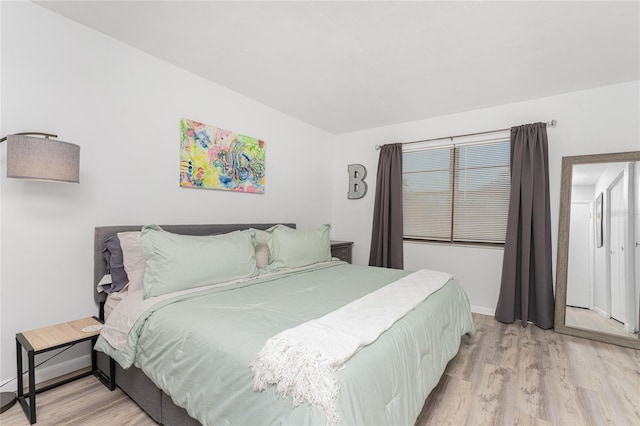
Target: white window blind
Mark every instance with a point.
(457, 193)
(427, 193)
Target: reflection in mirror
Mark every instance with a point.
(598, 276)
(596, 299)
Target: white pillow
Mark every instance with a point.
(135, 264)
(262, 249)
(292, 248)
(177, 262)
(134, 261)
(112, 301)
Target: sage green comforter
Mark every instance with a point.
(198, 348)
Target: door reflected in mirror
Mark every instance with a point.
(598, 280)
(600, 276)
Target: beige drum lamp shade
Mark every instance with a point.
(38, 158)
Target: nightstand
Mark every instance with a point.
(342, 250)
(47, 339)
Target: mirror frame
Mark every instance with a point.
(563, 247)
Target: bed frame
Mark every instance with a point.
(133, 381)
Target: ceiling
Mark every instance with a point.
(588, 174)
(346, 66)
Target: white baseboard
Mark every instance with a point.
(601, 312)
(56, 370)
(482, 310)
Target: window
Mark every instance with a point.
(457, 193)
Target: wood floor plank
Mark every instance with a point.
(467, 347)
(507, 346)
(453, 411)
(503, 375)
(488, 407)
(562, 400)
(591, 408)
(530, 377)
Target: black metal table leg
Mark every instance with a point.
(94, 356)
(110, 381)
(32, 387)
(112, 374)
(30, 407)
(19, 368)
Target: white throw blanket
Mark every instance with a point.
(302, 361)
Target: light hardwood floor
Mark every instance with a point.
(507, 375)
(504, 375)
(591, 320)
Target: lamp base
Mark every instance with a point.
(7, 399)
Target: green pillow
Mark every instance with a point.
(293, 248)
(179, 262)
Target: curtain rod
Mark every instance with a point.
(551, 123)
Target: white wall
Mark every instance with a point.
(123, 107)
(589, 122)
(582, 193)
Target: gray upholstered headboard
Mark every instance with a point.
(102, 233)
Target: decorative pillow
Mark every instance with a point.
(104, 284)
(259, 240)
(113, 300)
(292, 248)
(134, 262)
(261, 247)
(112, 253)
(179, 262)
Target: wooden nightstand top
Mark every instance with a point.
(337, 243)
(59, 334)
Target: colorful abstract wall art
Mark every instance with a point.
(214, 158)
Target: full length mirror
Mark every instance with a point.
(598, 270)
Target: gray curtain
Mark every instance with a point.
(386, 236)
(526, 292)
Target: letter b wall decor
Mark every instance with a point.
(357, 185)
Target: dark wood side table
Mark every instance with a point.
(47, 339)
(342, 250)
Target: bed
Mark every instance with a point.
(188, 359)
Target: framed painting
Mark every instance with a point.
(213, 158)
(599, 220)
